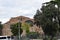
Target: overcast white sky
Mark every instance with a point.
(13, 8)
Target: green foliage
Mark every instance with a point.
(48, 18)
(29, 22)
(57, 1)
(37, 17)
(33, 35)
(25, 26)
(1, 27)
(15, 29)
(21, 31)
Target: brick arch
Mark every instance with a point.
(29, 22)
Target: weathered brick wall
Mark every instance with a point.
(6, 27)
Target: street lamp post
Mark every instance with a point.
(19, 26)
(19, 31)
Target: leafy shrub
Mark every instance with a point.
(33, 35)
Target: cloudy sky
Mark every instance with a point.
(13, 8)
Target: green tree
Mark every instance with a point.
(25, 26)
(1, 27)
(47, 18)
(58, 4)
(37, 18)
(15, 29)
